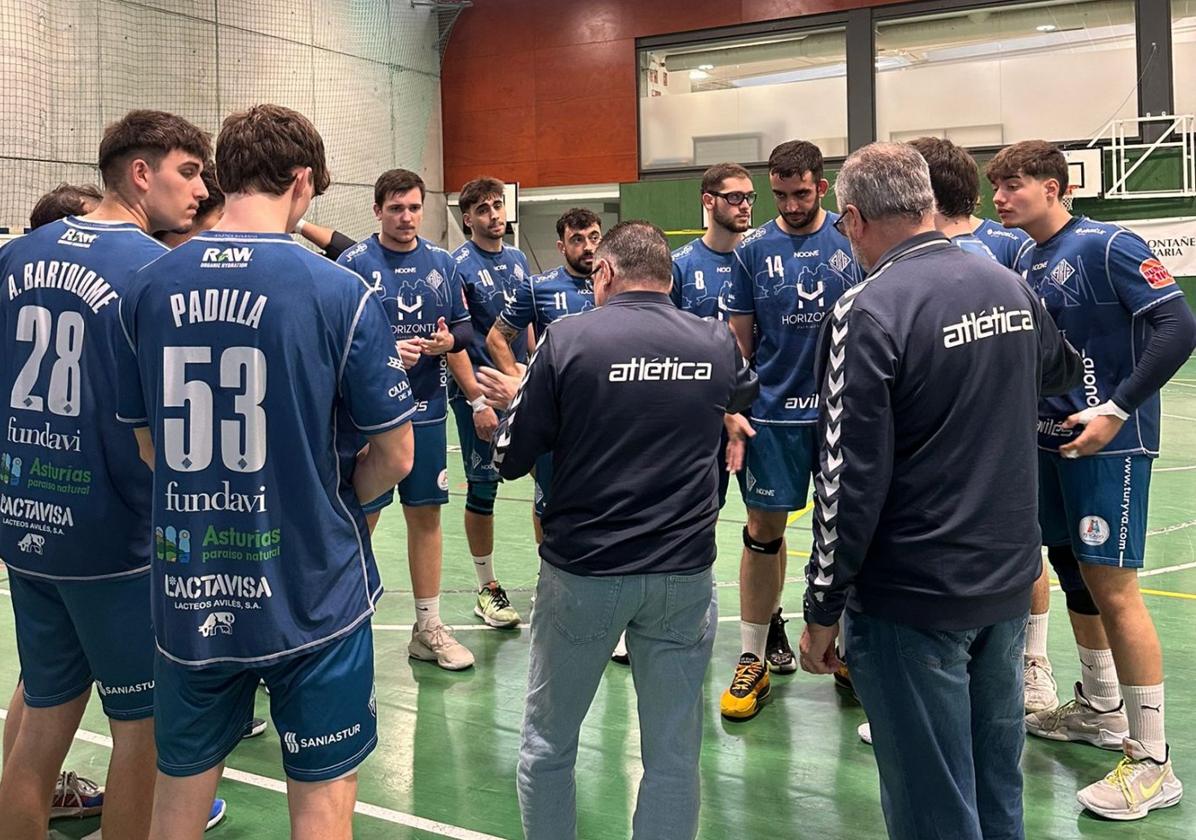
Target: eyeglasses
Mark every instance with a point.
(838, 224)
(736, 197)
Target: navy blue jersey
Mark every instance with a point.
(74, 494)
(789, 283)
(490, 281)
(548, 297)
(1008, 245)
(1096, 280)
(699, 276)
(973, 245)
(417, 288)
(257, 366)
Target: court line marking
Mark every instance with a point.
(364, 808)
(1177, 469)
(1185, 595)
(798, 514)
(1180, 417)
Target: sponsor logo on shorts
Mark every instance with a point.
(1094, 530)
(217, 622)
(1053, 428)
(32, 543)
(294, 743)
(373, 704)
(399, 390)
(1127, 486)
(117, 690)
(442, 480)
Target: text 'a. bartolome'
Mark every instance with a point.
(234, 306)
(71, 277)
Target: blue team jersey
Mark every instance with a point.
(74, 494)
(417, 288)
(1008, 245)
(490, 281)
(548, 297)
(699, 275)
(970, 243)
(1096, 279)
(789, 283)
(257, 366)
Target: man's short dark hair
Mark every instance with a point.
(796, 157)
(639, 250)
(215, 199)
(1030, 158)
(713, 178)
(578, 218)
(397, 181)
(478, 190)
(954, 176)
(151, 136)
(62, 201)
(258, 150)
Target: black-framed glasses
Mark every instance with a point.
(838, 224)
(736, 197)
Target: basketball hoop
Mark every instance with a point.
(1068, 198)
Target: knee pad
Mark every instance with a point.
(1067, 567)
(480, 496)
(752, 544)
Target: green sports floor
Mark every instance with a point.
(445, 764)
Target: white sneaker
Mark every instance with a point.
(437, 644)
(1137, 785)
(1041, 692)
(1076, 720)
(75, 796)
(864, 730)
(620, 655)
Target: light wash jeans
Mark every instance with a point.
(670, 622)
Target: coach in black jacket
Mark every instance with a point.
(629, 398)
(926, 522)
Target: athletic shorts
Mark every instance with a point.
(322, 704)
(475, 452)
(427, 483)
(542, 476)
(73, 633)
(777, 469)
(1095, 504)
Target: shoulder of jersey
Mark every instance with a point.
(462, 253)
(754, 234)
(684, 251)
(1101, 230)
(358, 249)
(437, 250)
(546, 276)
(1016, 234)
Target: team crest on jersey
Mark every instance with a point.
(1155, 274)
(1094, 530)
(839, 261)
(518, 272)
(1062, 272)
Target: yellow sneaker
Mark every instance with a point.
(748, 691)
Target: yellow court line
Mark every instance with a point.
(694, 232)
(798, 553)
(1187, 596)
(798, 514)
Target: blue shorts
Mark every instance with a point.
(475, 452)
(427, 483)
(322, 704)
(778, 466)
(543, 483)
(73, 633)
(1097, 505)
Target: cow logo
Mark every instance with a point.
(1155, 274)
(291, 741)
(32, 543)
(217, 622)
(1094, 530)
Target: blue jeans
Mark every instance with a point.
(946, 710)
(670, 622)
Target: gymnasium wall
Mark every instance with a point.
(365, 71)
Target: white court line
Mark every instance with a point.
(363, 808)
(1179, 526)
(1176, 469)
(1180, 417)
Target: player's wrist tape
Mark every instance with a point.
(299, 226)
(478, 405)
(1105, 409)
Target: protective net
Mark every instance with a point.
(365, 71)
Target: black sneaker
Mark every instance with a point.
(777, 651)
(254, 728)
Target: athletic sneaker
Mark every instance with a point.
(494, 607)
(842, 676)
(864, 730)
(1137, 785)
(1041, 692)
(777, 650)
(437, 644)
(219, 807)
(748, 691)
(1076, 720)
(75, 796)
(621, 655)
(254, 728)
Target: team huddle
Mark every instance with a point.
(206, 421)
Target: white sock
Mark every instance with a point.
(1098, 677)
(754, 637)
(427, 612)
(1036, 635)
(484, 567)
(1144, 708)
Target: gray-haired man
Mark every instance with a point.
(926, 526)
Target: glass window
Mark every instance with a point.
(987, 77)
(735, 100)
(1183, 54)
